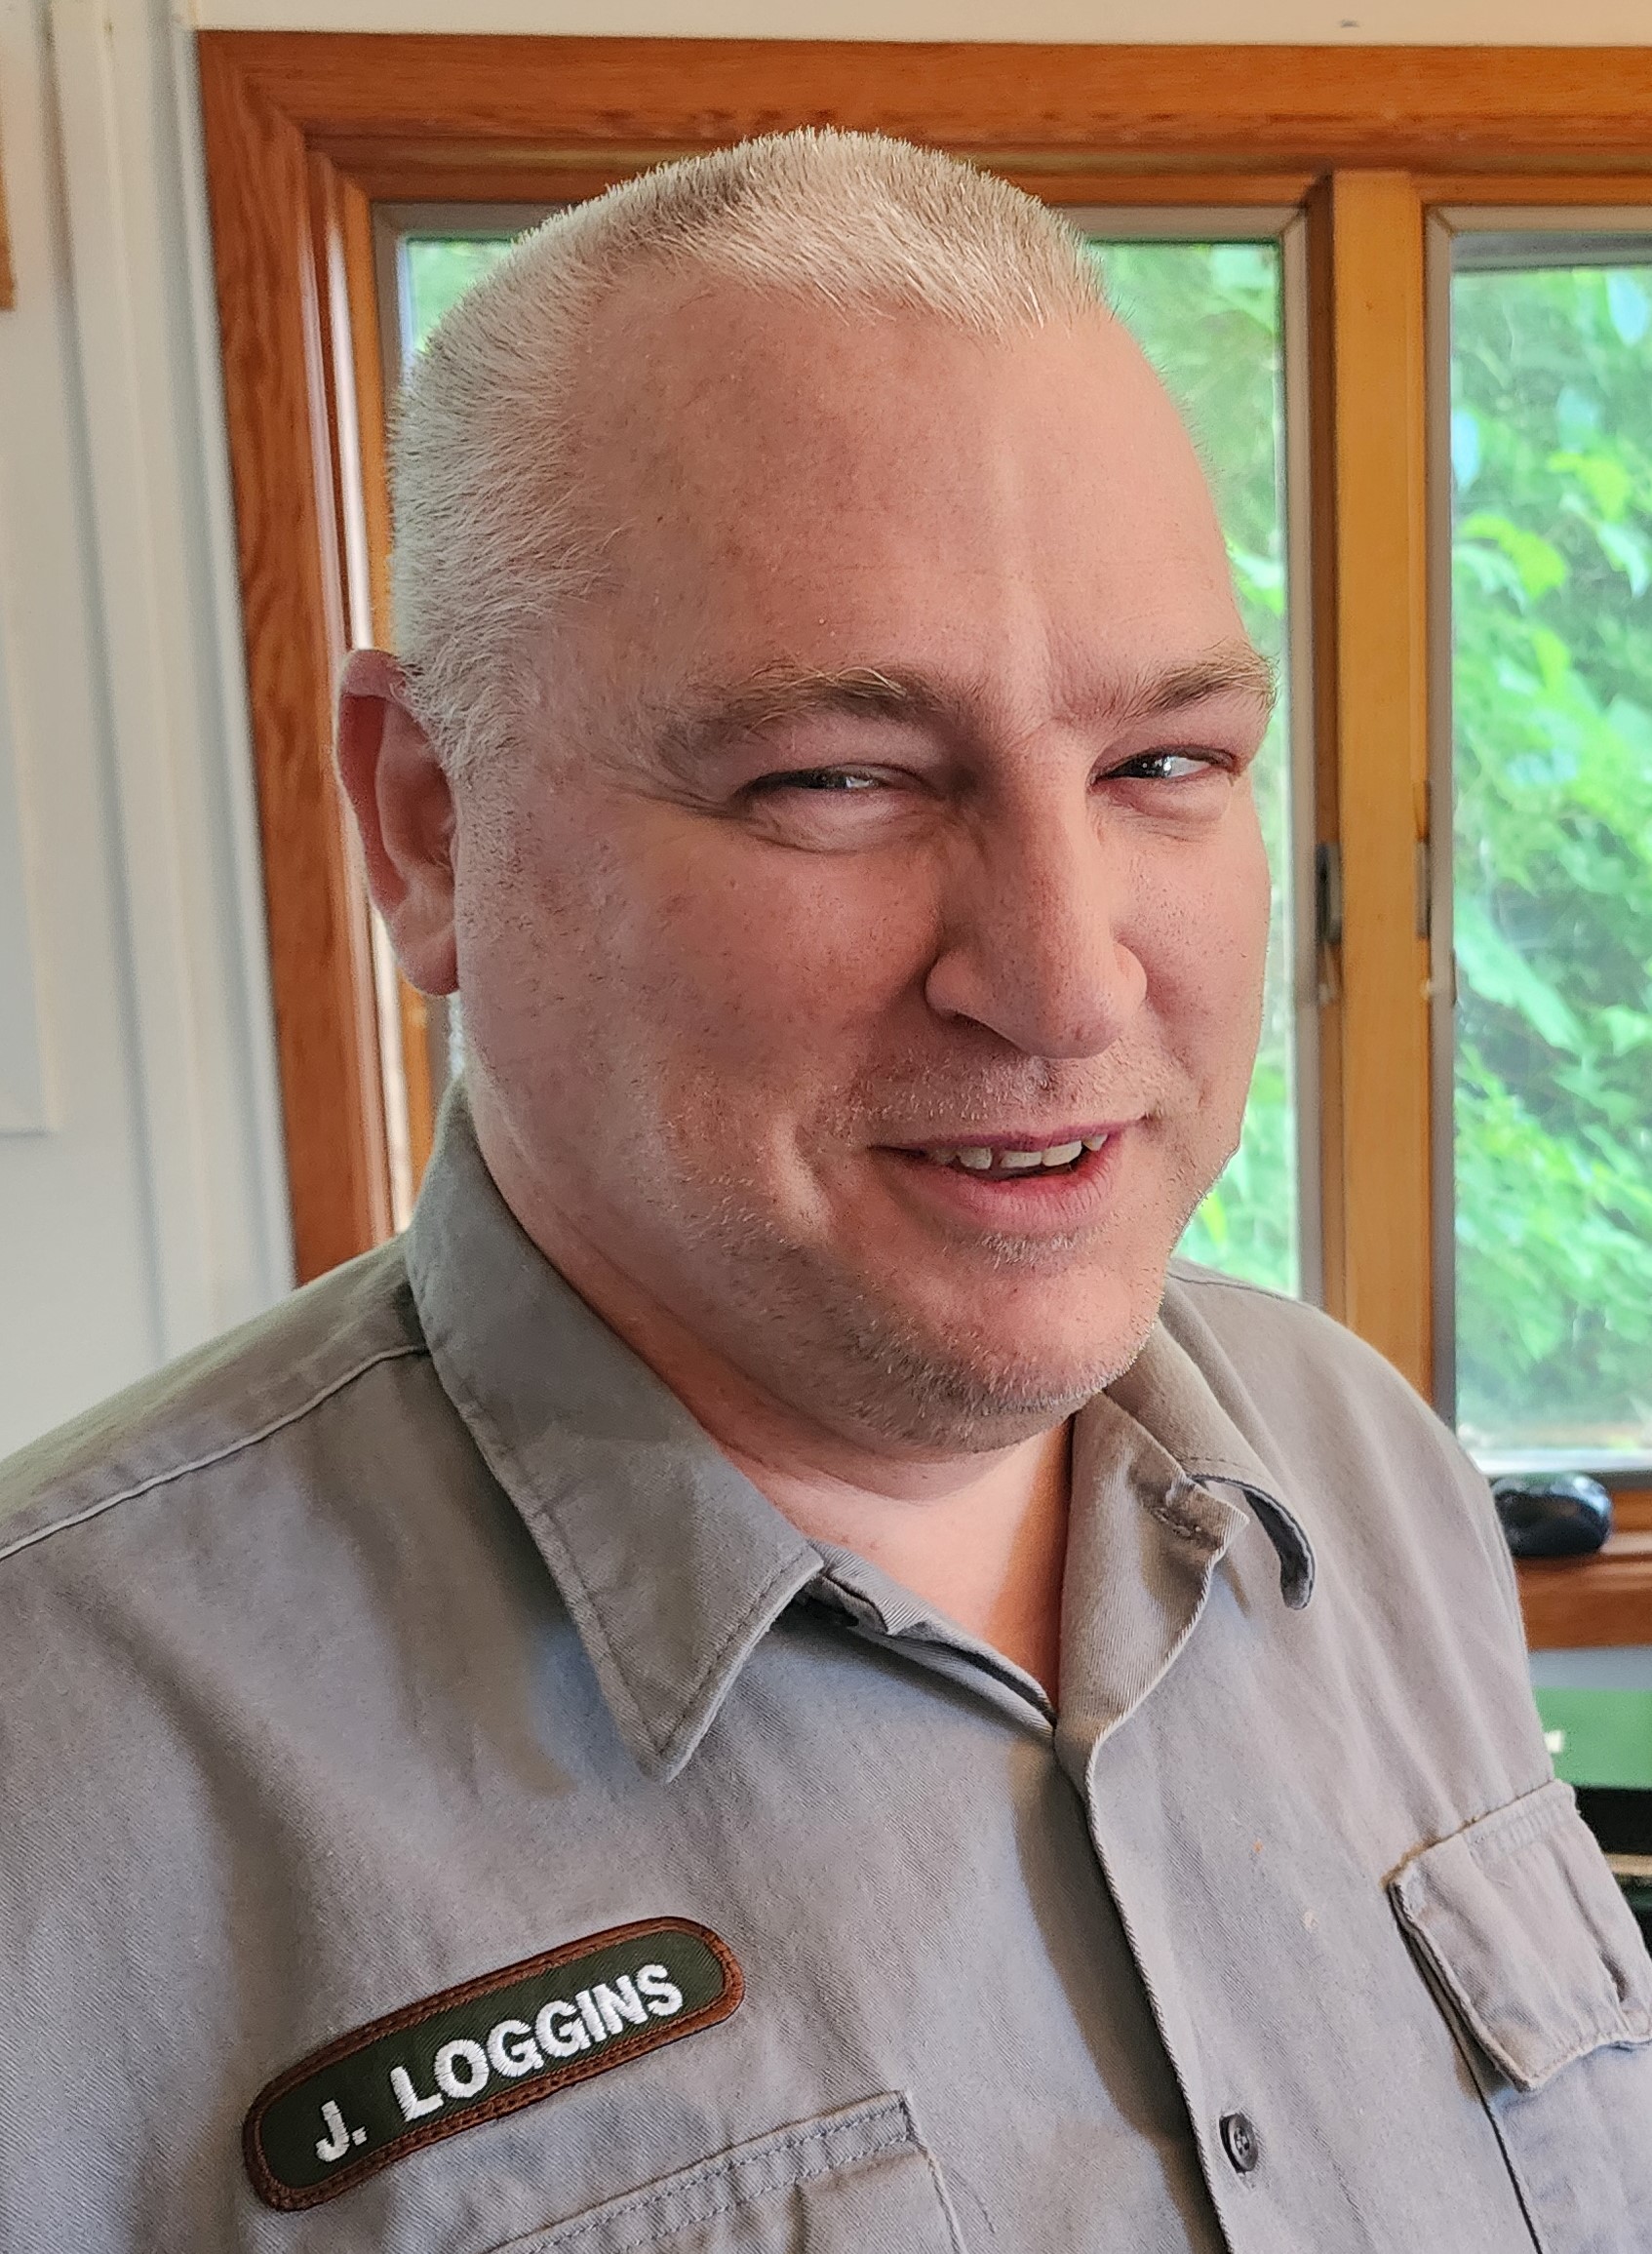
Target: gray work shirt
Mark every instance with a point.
(412, 1657)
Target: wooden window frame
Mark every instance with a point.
(305, 132)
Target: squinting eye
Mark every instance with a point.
(1160, 767)
(819, 778)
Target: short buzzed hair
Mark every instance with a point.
(490, 530)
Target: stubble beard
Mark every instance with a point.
(853, 1358)
(837, 1343)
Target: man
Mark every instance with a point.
(762, 1680)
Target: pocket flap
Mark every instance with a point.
(1522, 1923)
(845, 2182)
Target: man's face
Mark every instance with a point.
(886, 803)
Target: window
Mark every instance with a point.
(1403, 293)
(1550, 447)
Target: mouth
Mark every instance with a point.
(1015, 1158)
(1034, 1186)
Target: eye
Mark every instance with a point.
(840, 779)
(1161, 767)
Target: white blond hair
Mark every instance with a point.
(490, 527)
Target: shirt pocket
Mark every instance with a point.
(854, 2182)
(1528, 1940)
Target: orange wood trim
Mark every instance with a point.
(272, 319)
(1570, 1603)
(1539, 187)
(1375, 717)
(1229, 187)
(395, 171)
(7, 280)
(1631, 1510)
(361, 291)
(1274, 107)
(1326, 809)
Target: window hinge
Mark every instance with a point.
(1327, 892)
(1425, 888)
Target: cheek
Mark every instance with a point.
(532, 914)
(656, 943)
(745, 949)
(1207, 951)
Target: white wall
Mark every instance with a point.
(140, 1198)
(142, 1194)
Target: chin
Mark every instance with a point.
(979, 1384)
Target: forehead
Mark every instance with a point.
(777, 477)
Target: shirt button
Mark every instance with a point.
(1241, 2143)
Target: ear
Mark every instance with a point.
(404, 809)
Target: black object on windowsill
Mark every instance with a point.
(1553, 1514)
(1621, 1818)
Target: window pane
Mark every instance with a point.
(1208, 317)
(1551, 561)
(436, 272)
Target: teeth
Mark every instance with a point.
(979, 1159)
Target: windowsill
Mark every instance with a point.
(1570, 1603)
(1616, 1472)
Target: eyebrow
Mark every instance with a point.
(782, 691)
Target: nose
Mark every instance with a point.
(1029, 946)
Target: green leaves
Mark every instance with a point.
(436, 273)
(1500, 973)
(1625, 547)
(1539, 566)
(1629, 306)
(1552, 694)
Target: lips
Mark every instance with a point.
(1022, 1159)
(1028, 1199)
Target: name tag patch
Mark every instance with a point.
(480, 2050)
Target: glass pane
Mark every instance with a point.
(1208, 317)
(1551, 562)
(436, 272)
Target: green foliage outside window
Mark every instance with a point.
(1552, 449)
(437, 272)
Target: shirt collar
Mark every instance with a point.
(1178, 1401)
(671, 1564)
(670, 1561)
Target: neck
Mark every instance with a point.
(980, 1535)
(981, 1538)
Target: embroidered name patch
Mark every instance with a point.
(480, 2050)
